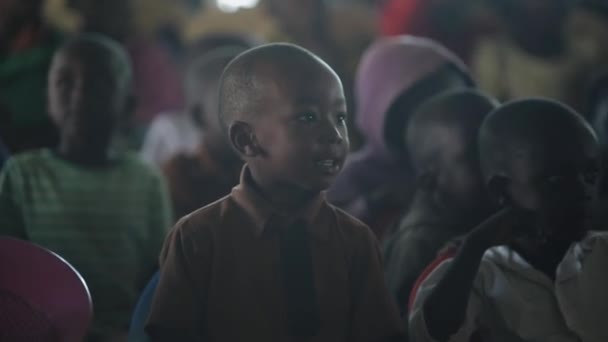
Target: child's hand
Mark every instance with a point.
(502, 228)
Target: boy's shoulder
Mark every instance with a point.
(29, 160)
(206, 219)
(350, 226)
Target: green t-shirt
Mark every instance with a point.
(109, 223)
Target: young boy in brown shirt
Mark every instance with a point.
(273, 261)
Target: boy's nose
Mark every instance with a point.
(331, 135)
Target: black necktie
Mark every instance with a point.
(298, 279)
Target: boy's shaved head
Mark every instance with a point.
(245, 79)
(462, 111)
(530, 127)
(89, 45)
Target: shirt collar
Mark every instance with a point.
(265, 216)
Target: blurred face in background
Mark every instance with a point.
(109, 17)
(16, 13)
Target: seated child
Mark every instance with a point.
(199, 178)
(273, 261)
(177, 132)
(106, 213)
(450, 197)
(395, 76)
(27, 45)
(532, 272)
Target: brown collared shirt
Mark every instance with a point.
(220, 276)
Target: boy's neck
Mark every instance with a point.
(421, 211)
(84, 156)
(288, 198)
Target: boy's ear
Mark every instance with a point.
(497, 188)
(243, 139)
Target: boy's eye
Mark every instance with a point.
(307, 117)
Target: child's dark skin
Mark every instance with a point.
(87, 97)
(443, 148)
(294, 136)
(547, 186)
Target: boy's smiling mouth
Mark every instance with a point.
(329, 166)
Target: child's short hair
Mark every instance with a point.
(522, 125)
(104, 48)
(237, 91)
(466, 109)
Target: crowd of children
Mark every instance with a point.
(461, 217)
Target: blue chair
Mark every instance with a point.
(142, 309)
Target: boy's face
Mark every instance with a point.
(460, 193)
(300, 129)
(85, 97)
(559, 183)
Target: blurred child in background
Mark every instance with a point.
(105, 212)
(396, 76)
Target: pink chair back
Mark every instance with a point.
(43, 298)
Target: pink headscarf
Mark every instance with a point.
(388, 69)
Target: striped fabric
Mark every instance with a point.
(108, 222)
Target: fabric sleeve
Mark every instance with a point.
(375, 316)
(11, 213)
(178, 307)
(417, 325)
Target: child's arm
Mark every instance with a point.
(177, 312)
(11, 215)
(375, 316)
(445, 309)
